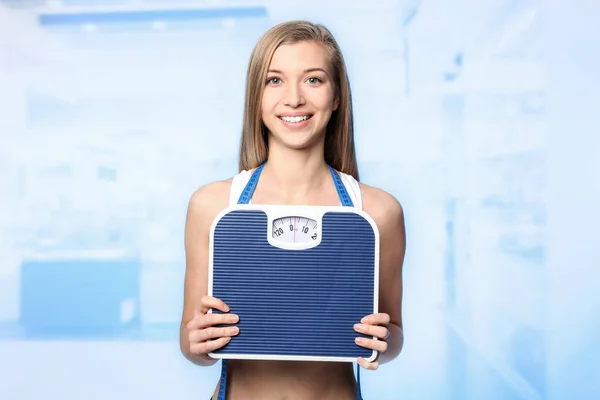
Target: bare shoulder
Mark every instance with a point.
(205, 204)
(384, 208)
(209, 200)
(388, 214)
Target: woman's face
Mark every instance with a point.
(299, 95)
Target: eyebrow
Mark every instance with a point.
(276, 71)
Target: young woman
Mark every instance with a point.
(297, 124)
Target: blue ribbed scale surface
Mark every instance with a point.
(301, 303)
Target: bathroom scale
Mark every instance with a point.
(298, 277)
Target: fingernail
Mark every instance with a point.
(234, 331)
(365, 320)
(358, 326)
(359, 340)
(233, 318)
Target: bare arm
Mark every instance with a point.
(388, 214)
(203, 207)
(393, 246)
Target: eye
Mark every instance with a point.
(273, 81)
(314, 80)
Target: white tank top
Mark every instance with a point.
(240, 180)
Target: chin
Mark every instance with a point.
(297, 141)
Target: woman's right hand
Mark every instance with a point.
(203, 336)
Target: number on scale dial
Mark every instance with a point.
(295, 229)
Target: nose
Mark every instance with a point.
(293, 96)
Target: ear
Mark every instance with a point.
(336, 103)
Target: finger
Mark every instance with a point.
(213, 333)
(370, 330)
(371, 344)
(216, 333)
(206, 347)
(376, 319)
(208, 302)
(208, 320)
(367, 365)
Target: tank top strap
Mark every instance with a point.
(248, 191)
(238, 183)
(341, 189)
(353, 188)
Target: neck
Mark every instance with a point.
(296, 173)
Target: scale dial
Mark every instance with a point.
(295, 229)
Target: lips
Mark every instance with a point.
(295, 118)
(295, 121)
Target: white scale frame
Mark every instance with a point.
(276, 212)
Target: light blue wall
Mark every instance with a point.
(110, 120)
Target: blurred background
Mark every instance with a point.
(112, 112)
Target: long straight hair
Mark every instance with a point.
(340, 150)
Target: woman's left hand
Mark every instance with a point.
(373, 325)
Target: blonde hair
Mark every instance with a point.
(340, 150)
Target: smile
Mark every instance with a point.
(295, 119)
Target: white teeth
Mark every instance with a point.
(295, 119)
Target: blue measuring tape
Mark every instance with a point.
(248, 191)
(244, 198)
(250, 186)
